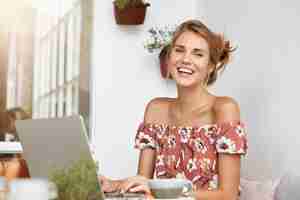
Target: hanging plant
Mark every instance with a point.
(159, 40)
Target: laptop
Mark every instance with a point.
(52, 143)
(56, 143)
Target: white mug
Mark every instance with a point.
(33, 189)
(170, 188)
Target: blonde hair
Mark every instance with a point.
(219, 49)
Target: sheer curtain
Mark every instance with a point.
(57, 59)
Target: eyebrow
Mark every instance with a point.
(196, 49)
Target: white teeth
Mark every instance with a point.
(185, 70)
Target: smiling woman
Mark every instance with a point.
(197, 135)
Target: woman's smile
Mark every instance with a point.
(185, 71)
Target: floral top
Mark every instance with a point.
(191, 152)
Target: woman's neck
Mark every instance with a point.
(190, 99)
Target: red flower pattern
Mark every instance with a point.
(191, 151)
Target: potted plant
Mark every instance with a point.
(130, 12)
(159, 40)
(77, 182)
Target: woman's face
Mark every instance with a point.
(189, 60)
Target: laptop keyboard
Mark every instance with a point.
(127, 195)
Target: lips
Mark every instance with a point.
(185, 70)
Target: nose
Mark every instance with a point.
(186, 59)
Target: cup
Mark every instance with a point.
(3, 188)
(169, 188)
(33, 189)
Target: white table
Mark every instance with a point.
(139, 198)
(143, 198)
(10, 147)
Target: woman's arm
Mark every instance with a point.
(229, 180)
(153, 113)
(146, 163)
(227, 110)
(156, 112)
(135, 183)
(145, 171)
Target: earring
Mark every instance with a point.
(205, 82)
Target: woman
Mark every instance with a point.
(197, 135)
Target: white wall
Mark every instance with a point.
(124, 78)
(263, 78)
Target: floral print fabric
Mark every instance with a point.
(191, 152)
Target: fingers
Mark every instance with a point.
(101, 179)
(135, 184)
(141, 188)
(132, 184)
(107, 185)
(124, 187)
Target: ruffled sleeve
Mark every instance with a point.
(145, 137)
(231, 138)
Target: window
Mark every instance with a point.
(57, 61)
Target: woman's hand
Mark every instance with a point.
(135, 184)
(132, 184)
(109, 185)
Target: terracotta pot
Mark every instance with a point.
(130, 15)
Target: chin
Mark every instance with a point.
(187, 83)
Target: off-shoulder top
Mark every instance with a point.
(191, 152)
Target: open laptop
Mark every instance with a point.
(49, 143)
(56, 142)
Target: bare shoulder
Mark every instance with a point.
(225, 102)
(226, 109)
(157, 110)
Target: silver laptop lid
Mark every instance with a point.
(52, 143)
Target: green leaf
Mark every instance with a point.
(76, 182)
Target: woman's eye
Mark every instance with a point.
(199, 54)
(178, 50)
